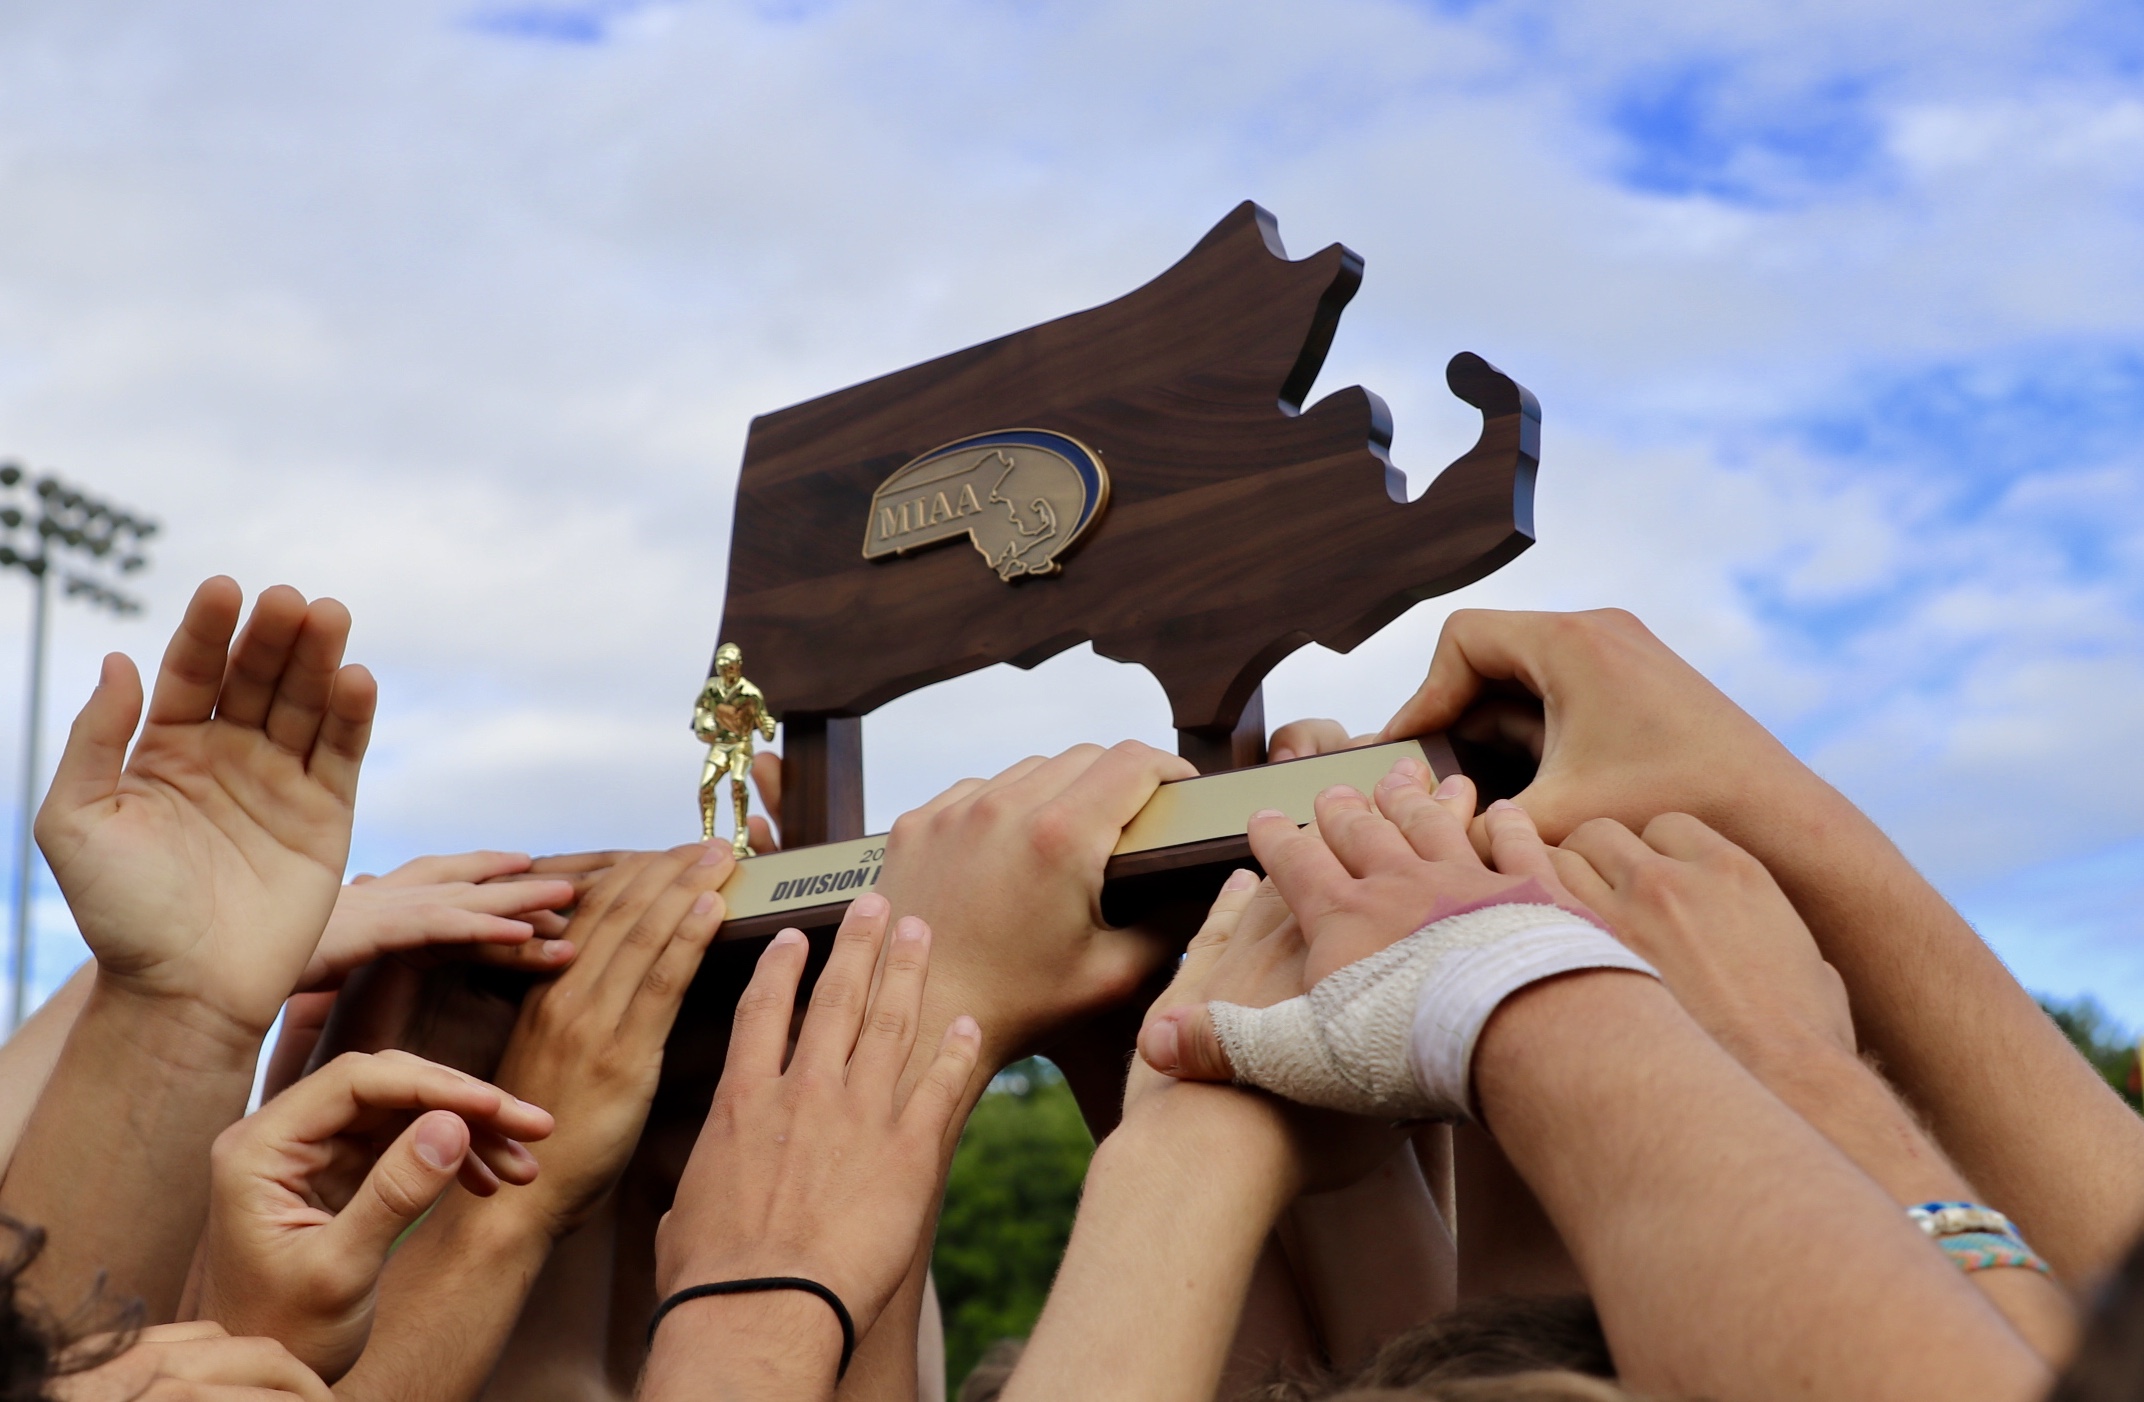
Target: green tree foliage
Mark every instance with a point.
(2110, 1047)
(1008, 1211)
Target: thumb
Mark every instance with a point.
(402, 1186)
(1182, 1043)
(96, 748)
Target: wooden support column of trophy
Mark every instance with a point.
(1142, 475)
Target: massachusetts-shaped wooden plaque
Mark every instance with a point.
(1232, 527)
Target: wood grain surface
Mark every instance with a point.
(1239, 527)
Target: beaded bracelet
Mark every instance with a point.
(1981, 1251)
(1941, 1219)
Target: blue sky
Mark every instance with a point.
(459, 312)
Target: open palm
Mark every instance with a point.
(205, 866)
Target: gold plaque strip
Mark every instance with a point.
(1179, 813)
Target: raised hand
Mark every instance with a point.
(446, 901)
(1362, 880)
(582, 869)
(1625, 729)
(195, 1362)
(589, 1044)
(588, 1047)
(817, 1170)
(1724, 937)
(1008, 872)
(312, 1190)
(202, 868)
(1251, 951)
(1368, 875)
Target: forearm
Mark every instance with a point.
(2008, 1099)
(559, 1339)
(1849, 1104)
(885, 1366)
(884, 1369)
(1177, 1205)
(781, 1346)
(1508, 1247)
(114, 1160)
(447, 1305)
(1274, 1332)
(27, 1058)
(1731, 1251)
(1373, 1258)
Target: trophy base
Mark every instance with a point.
(1181, 846)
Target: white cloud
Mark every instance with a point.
(468, 329)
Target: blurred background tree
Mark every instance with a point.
(1008, 1210)
(2109, 1046)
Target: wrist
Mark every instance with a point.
(768, 1344)
(708, 1262)
(1221, 1137)
(1798, 1064)
(1799, 825)
(182, 1031)
(1853, 1107)
(491, 1232)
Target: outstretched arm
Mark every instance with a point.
(1742, 963)
(1741, 1256)
(201, 870)
(1008, 873)
(28, 1056)
(1182, 1195)
(810, 1170)
(1732, 1252)
(588, 1047)
(1628, 730)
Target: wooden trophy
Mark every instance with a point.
(1142, 475)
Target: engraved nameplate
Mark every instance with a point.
(1181, 814)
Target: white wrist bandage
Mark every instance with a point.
(1393, 1035)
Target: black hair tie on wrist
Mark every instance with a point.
(767, 1282)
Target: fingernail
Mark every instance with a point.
(908, 930)
(557, 951)
(1240, 880)
(440, 1141)
(1340, 791)
(791, 935)
(715, 853)
(965, 1028)
(1448, 788)
(1502, 803)
(1267, 813)
(519, 1152)
(1279, 754)
(1157, 1043)
(870, 903)
(704, 904)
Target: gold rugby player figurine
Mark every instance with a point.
(729, 710)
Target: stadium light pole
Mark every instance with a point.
(48, 527)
